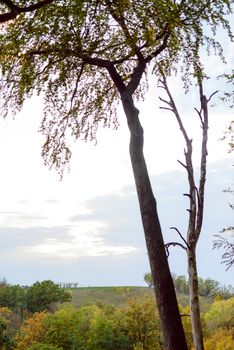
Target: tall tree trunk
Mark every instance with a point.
(174, 338)
(194, 300)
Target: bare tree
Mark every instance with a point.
(196, 200)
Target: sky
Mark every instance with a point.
(87, 227)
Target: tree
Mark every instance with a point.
(84, 57)
(32, 331)
(69, 328)
(44, 295)
(13, 297)
(181, 284)
(220, 340)
(221, 315)
(195, 195)
(148, 279)
(142, 324)
(208, 287)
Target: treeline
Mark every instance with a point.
(208, 287)
(38, 297)
(133, 327)
(42, 317)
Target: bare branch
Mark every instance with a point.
(208, 100)
(180, 234)
(172, 104)
(200, 192)
(165, 101)
(188, 158)
(199, 115)
(185, 166)
(168, 109)
(167, 245)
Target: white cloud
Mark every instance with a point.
(83, 241)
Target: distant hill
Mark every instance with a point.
(119, 296)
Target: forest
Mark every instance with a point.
(47, 317)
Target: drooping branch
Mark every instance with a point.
(181, 236)
(184, 246)
(228, 246)
(15, 10)
(174, 244)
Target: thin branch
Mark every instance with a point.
(167, 245)
(76, 85)
(165, 101)
(171, 102)
(167, 109)
(181, 236)
(183, 165)
(199, 115)
(208, 100)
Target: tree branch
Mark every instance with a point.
(167, 245)
(183, 165)
(204, 153)
(208, 100)
(16, 10)
(188, 159)
(181, 236)
(159, 49)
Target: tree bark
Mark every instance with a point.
(174, 338)
(194, 300)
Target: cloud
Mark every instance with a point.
(83, 240)
(13, 239)
(104, 241)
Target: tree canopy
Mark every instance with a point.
(80, 54)
(44, 295)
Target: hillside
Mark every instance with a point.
(117, 296)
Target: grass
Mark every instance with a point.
(114, 296)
